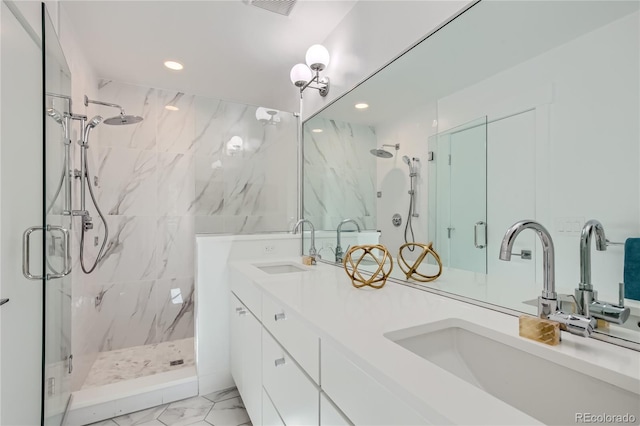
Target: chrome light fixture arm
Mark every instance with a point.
(322, 87)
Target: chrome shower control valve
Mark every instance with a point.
(87, 222)
(396, 219)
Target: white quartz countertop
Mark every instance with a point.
(356, 320)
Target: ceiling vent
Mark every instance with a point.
(281, 7)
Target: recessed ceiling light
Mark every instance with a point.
(172, 65)
(316, 130)
(171, 108)
(362, 106)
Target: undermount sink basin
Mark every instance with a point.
(280, 268)
(550, 392)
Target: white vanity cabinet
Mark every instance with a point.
(246, 356)
(360, 397)
(288, 375)
(295, 397)
(330, 415)
(274, 386)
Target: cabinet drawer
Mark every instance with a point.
(294, 396)
(360, 397)
(330, 415)
(294, 336)
(247, 292)
(270, 416)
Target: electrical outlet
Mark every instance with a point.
(269, 248)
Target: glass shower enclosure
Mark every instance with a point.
(458, 195)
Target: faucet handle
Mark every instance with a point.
(574, 324)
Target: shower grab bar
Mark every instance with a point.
(26, 252)
(475, 234)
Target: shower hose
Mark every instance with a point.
(101, 253)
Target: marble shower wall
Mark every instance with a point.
(339, 173)
(246, 174)
(158, 183)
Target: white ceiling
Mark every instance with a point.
(230, 49)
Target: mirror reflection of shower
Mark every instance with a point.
(84, 175)
(409, 236)
(383, 153)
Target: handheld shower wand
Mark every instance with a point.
(408, 227)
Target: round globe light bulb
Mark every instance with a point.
(317, 57)
(300, 75)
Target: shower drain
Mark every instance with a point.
(176, 362)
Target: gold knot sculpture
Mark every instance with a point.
(378, 278)
(411, 270)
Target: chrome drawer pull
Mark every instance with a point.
(280, 362)
(280, 316)
(241, 311)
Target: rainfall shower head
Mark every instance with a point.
(119, 120)
(383, 153)
(123, 119)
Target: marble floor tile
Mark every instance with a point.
(104, 423)
(223, 394)
(230, 412)
(155, 422)
(139, 361)
(186, 412)
(143, 417)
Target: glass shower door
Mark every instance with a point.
(458, 196)
(57, 358)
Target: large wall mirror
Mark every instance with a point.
(513, 110)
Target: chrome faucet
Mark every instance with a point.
(339, 252)
(548, 301)
(312, 249)
(586, 297)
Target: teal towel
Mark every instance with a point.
(632, 268)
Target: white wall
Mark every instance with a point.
(586, 97)
(372, 34)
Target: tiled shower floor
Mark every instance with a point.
(139, 361)
(224, 408)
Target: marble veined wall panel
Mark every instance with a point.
(208, 166)
(339, 173)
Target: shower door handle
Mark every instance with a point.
(26, 257)
(475, 234)
(26, 252)
(66, 264)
